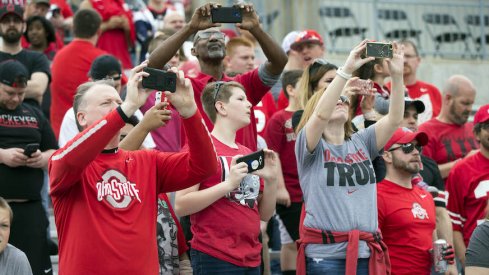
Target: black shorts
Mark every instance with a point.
(290, 218)
(29, 234)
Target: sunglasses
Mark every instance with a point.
(345, 100)
(207, 35)
(217, 89)
(314, 67)
(408, 148)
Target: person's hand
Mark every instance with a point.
(449, 254)
(136, 95)
(58, 21)
(452, 270)
(183, 97)
(201, 19)
(283, 196)
(156, 117)
(13, 157)
(114, 22)
(237, 172)
(396, 63)
(355, 60)
(270, 170)
(250, 18)
(367, 104)
(36, 160)
(124, 23)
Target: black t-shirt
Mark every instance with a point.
(477, 253)
(19, 127)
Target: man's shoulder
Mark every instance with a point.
(426, 85)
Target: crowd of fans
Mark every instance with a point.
(357, 180)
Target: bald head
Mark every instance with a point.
(456, 83)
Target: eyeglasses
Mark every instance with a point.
(207, 35)
(115, 78)
(408, 148)
(345, 100)
(217, 89)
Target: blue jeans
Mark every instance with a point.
(205, 264)
(333, 266)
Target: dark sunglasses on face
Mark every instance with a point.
(345, 100)
(408, 148)
(207, 35)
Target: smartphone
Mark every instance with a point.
(226, 15)
(158, 97)
(30, 149)
(160, 80)
(365, 86)
(379, 49)
(255, 161)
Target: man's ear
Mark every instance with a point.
(193, 51)
(220, 108)
(387, 156)
(80, 118)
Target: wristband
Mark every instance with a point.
(342, 73)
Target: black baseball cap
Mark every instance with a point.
(12, 6)
(418, 104)
(13, 74)
(104, 66)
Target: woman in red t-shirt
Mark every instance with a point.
(225, 210)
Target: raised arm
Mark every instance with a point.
(274, 53)
(326, 105)
(201, 20)
(386, 126)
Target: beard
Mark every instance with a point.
(11, 36)
(459, 119)
(409, 167)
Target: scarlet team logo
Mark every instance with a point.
(116, 189)
(419, 212)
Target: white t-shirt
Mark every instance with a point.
(69, 130)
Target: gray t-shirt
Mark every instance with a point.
(478, 251)
(339, 187)
(14, 261)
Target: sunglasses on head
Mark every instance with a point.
(345, 100)
(217, 89)
(408, 148)
(316, 65)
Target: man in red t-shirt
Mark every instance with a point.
(417, 89)
(71, 64)
(468, 187)
(406, 212)
(209, 48)
(451, 136)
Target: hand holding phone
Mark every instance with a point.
(226, 15)
(379, 50)
(30, 149)
(255, 161)
(159, 80)
(365, 87)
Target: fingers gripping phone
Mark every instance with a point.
(365, 86)
(30, 149)
(226, 15)
(159, 80)
(379, 49)
(255, 161)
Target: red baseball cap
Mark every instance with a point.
(482, 114)
(403, 136)
(307, 36)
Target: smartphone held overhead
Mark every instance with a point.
(226, 15)
(160, 80)
(379, 50)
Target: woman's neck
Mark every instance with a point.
(335, 133)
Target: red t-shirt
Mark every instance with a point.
(69, 69)
(114, 41)
(105, 204)
(280, 137)
(255, 90)
(228, 229)
(264, 110)
(429, 94)
(467, 186)
(407, 220)
(447, 142)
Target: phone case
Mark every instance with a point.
(160, 80)
(380, 50)
(365, 86)
(255, 161)
(226, 15)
